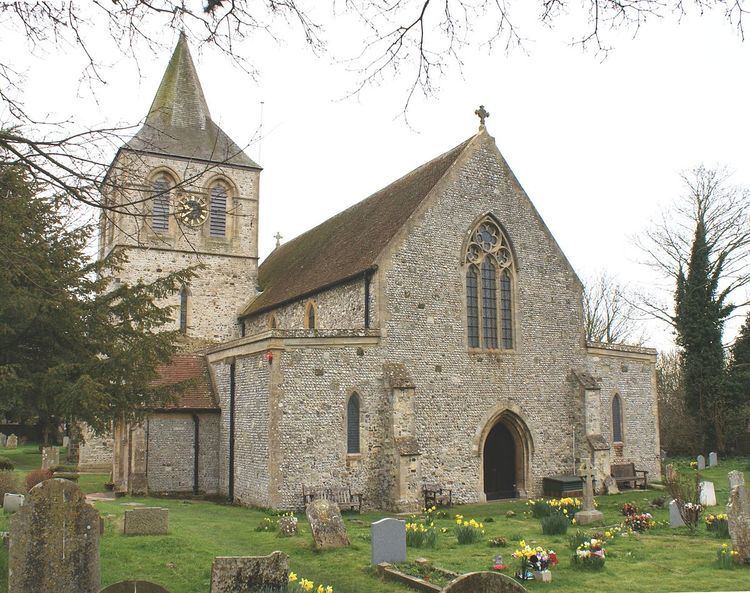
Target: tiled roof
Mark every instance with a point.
(179, 123)
(193, 370)
(348, 244)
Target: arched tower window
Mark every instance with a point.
(617, 419)
(311, 314)
(489, 288)
(161, 197)
(272, 323)
(218, 210)
(183, 309)
(352, 424)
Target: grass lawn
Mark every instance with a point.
(662, 560)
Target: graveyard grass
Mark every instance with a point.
(662, 560)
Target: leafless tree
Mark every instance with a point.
(609, 313)
(678, 431)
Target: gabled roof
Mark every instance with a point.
(191, 369)
(179, 123)
(348, 244)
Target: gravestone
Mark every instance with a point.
(588, 514)
(13, 502)
(701, 462)
(147, 521)
(670, 473)
(675, 519)
(3, 439)
(326, 524)
(610, 485)
(736, 477)
(50, 457)
(66, 443)
(484, 582)
(738, 517)
(713, 459)
(134, 587)
(388, 537)
(708, 494)
(54, 542)
(12, 442)
(244, 574)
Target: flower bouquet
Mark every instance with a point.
(533, 559)
(590, 555)
(639, 522)
(629, 509)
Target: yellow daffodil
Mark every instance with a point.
(292, 577)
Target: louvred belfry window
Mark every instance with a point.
(218, 211)
(489, 288)
(160, 193)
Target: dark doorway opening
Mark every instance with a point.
(500, 463)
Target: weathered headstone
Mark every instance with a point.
(12, 442)
(134, 587)
(50, 457)
(707, 494)
(738, 517)
(610, 485)
(326, 524)
(245, 574)
(588, 513)
(54, 542)
(701, 462)
(675, 519)
(713, 459)
(12, 502)
(670, 473)
(147, 521)
(66, 443)
(736, 477)
(484, 582)
(3, 439)
(662, 455)
(388, 537)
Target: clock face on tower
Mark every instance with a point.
(192, 210)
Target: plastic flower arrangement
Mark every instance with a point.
(629, 509)
(717, 524)
(590, 555)
(498, 564)
(468, 531)
(692, 512)
(727, 557)
(287, 525)
(640, 523)
(298, 585)
(530, 559)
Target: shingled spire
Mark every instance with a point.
(179, 123)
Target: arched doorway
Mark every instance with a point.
(505, 458)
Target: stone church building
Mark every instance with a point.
(430, 334)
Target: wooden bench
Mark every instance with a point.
(343, 497)
(436, 495)
(625, 473)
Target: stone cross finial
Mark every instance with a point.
(482, 114)
(586, 472)
(278, 238)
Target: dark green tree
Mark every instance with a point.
(73, 346)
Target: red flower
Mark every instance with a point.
(553, 558)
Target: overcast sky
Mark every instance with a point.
(597, 143)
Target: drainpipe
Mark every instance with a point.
(196, 451)
(231, 432)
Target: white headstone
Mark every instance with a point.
(708, 494)
(701, 462)
(13, 502)
(66, 441)
(675, 520)
(388, 541)
(713, 459)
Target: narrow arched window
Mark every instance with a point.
(183, 309)
(272, 323)
(616, 419)
(160, 193)
(352, 424)
(489, 288)
(311, 321)
(218, 208)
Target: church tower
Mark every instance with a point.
(183, 193)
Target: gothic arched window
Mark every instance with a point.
(217, 224)
(617, 419)
(352, 424)
(160, 193)
(311, 321)
(489, 288)
(183, 309)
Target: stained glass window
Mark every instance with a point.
(506, 308)
(489, 303)
(616, 419)
(472, 306)
(352, 424)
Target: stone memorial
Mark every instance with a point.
(736, 477)
(610, 485)
(713, 459)
(245, 574)
(675, 519)
(388, 537)
(50, 457)
(13, 502)
(66, 444)
(588, 513)
(134, 587)
(701, 462)
(484, 582)
(326, 524)
(3, 439)
(670, 473)
(54, 542)
(738, 517)
(12, 442)
(708, 494)
(146, 521)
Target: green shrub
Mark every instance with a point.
(468, 532)
(266, 524)
(578, 539)
(6, 464)
(419, 535)
(9, 483)
(540, 508)
(555, 524)
(727, 557)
